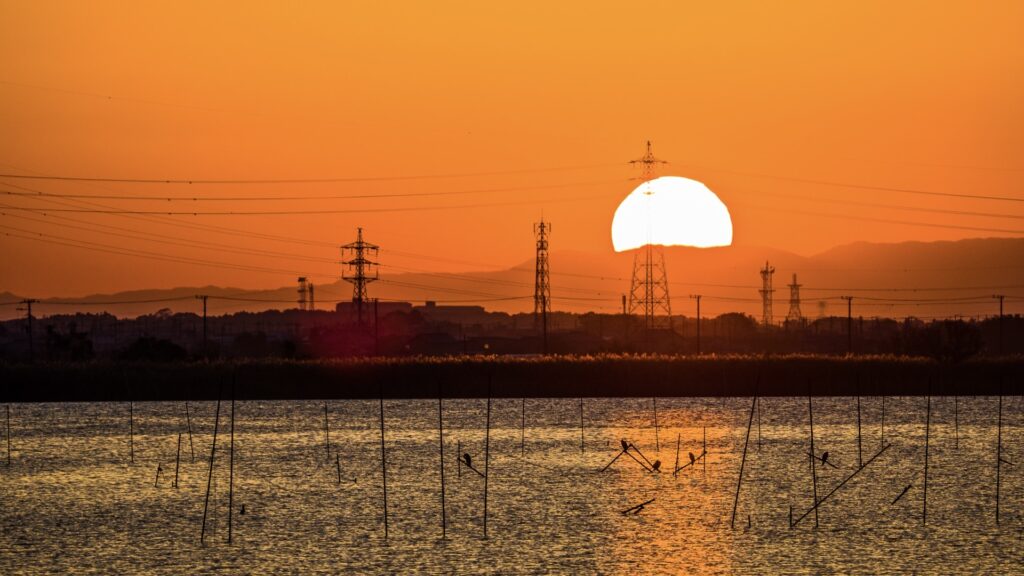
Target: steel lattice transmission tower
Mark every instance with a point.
(648, 292)
(766, 293)
(303, 293)
(542, 280)
(360, 270)
(794, 314)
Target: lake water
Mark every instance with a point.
(72, 502)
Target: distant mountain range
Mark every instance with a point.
(922, 279)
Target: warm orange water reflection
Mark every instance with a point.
(71, 501)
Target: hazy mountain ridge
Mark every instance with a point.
(728, 278)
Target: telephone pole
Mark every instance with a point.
(697, 297)
(542, 285)
(28, 302)
(849, 323)
(361, 270)
(648, 291)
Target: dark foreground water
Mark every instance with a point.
(72, 502)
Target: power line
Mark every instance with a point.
(188, 181)
(37, 194)
(857, 186)
(888, 221)
(305, 212)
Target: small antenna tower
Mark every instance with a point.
(303, 292)
(794, 314)
(360, 269)
(766, 293)
(648, 292)
(542, 285)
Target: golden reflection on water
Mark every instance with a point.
(71, 500)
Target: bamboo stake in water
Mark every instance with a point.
(814, 467)
(581, 426)
(743, 463)
(860, 460)
(440, 443)
(231, 463)
(883, 419)
(487, 455)
(999, 452)
(522, 431)
(458, 458)
(675, 467)
(8, 433)
(927, 435)
(956, 422)
(758, 423)
(209, 476)
(188, 422)
(337, 465)
(327, 432)
(177, 461)
(131, 430)
(657, 443)
(705, 451)
(383, 462)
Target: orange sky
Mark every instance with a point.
(891, 94)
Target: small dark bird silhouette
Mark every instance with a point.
(242, 511)
(625, 445)
(466, 458)
(824, 457)
(656, 466)
(692, 459)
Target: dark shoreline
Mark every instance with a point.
(552, 377)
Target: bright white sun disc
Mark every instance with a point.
(671, 211)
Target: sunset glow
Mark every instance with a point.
(671, 211)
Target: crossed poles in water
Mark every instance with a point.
(628, 449)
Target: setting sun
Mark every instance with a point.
(671, 211)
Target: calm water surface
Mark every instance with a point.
(72, 502)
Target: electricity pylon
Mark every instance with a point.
(360, 269)
(648, 292)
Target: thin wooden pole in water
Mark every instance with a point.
(8, 433)
(675, 467)
(458, 458)
(814, 457)
(487, 453)
(758, 423)
(522, 430)
(705, 450)
(383, 462)
(956, 422)
(231, 462)
(860, 458)
(440, 443)
(131, 430)
(999, 452)
(177, 461)
(927, 435)
(657, 442)
(883, 419)
(209, 476)
(327, 432)
(582, 450)
(188, 422)
(743, 463)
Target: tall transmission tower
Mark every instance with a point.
(766, 293)
(542, 285)
(360, 269)
(648, 292)
(311, 305)
(303, 292)
(794, 314)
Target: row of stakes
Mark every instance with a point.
(627, 449)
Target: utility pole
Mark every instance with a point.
(697, 297)
(999, 297)
(359, 270)
(204, 297)
(28, 302)
(849, 323)
(542, 284)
